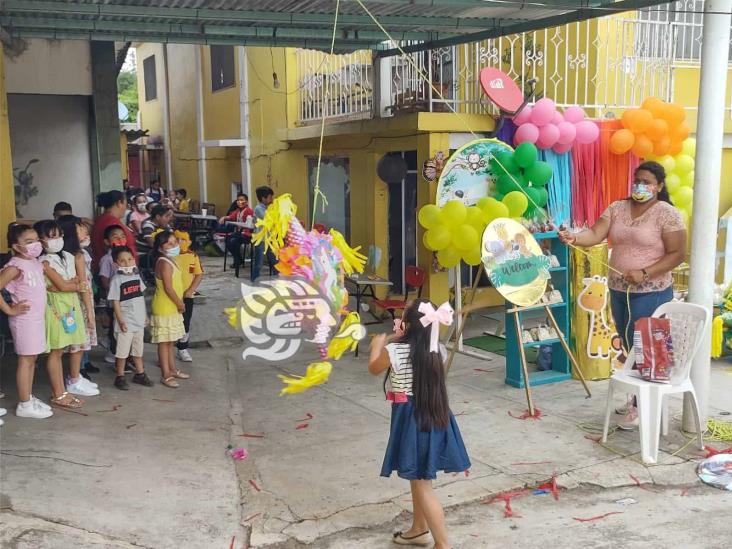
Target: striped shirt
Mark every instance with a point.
(400, 373)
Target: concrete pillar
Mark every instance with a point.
(710, 131)
(105, 137)
(7, 189)
(436, 288)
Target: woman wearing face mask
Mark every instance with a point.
(648, 240)
(138, 214)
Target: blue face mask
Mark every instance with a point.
(641, 192)
(173, 252)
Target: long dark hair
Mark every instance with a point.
(68, 225)
(432, 409)
(660, 174)
(161, 238)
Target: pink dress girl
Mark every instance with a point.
(28, 329)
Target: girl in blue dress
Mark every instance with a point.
(424, 436)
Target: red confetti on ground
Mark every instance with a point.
(684, 492)
(252, 435)
(250, 517)
(527, 414)
(550, 486)
(713, 451)
(308, 418)
(254, 485)
(598, 517)
(302, 426)
(531, 462)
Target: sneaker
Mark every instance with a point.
(82, 388)
(109, 358)
(38, 402)
(142, 379)
(183, 355)
(32, 410)
(91, 368)
(121, 383)
(631, 420)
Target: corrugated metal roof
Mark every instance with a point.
(302, 23)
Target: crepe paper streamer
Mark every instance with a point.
(301, 426)
(559, 186)
(717, 336)
(317, 373)
(348, 336)
(254, 485)
(353, 260)
(527, 414)
(598, 517)
(238, 454)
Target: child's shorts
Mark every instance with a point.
(129, 344)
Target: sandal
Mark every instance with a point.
(65, 400)
(181, 375)
(170, 382)
(422, 539)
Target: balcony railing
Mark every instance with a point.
(609, 63)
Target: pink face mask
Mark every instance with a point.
(34, 249)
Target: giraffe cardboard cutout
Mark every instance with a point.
(602, 341)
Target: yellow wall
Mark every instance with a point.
(7, 193)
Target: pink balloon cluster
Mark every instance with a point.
(547, 128)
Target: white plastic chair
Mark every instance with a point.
(689, 324)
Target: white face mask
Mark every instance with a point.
(54, 245)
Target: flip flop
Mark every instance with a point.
(423, 539)
(170, 382)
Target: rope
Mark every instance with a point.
(317, 193)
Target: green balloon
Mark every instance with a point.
(539, 173)
(525, 154)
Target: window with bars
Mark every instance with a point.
(222, 67)
(151, 79)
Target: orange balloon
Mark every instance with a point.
(622, 141)
(655, 106)
(662, 146)
(657, 130)
(674, 114)
(680, 132)
(643, 146)
(675, 148)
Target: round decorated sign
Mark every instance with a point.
(467, 174)
(514, 262)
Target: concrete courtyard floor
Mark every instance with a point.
(148, 467)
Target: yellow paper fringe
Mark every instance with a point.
(353, 261)
(344, 341)
(717, 336)
(316, 374)
(276, 223)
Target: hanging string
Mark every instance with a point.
(317, 193)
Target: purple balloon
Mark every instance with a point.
(524, 116)
(543, 112)
(574, 114)
(567, 133)
(548, 136)
(587, 132)
(526, 133)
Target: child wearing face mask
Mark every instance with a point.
(192, 273)
(167, 307)
(130, 316)
(65, 333)
(76, 239)
(22, 277)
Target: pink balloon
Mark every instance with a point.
(587, 132)
(561, 149)
(543, 112)
(558, 118)
(574, 114)
(567, 133)
(524, 116)
(548, 136)
(526, 133)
